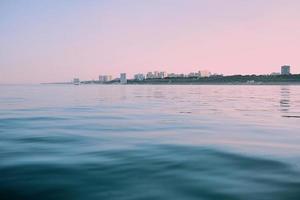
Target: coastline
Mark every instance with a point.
(255, 84)
(196, 83)
(212, 80)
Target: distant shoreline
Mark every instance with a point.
(266, 83)
(212, 80)
(254, 84)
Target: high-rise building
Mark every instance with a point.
(123, 79)
(285, 70)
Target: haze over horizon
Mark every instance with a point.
(48, 41)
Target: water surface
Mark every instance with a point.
(149, 142)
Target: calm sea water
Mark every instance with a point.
(149, 142)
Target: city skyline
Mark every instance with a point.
(104, 78)
(46, 41)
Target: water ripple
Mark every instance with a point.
(149, 142)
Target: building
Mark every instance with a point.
(216, 75)
(105, 78)
(286, 70)
(101, 78)
(162, 75)
(139, 77)
(76, 81)
(204, 73)
(109, 78)
(123, 79)
(173, 75)
(156, 74)
(275, 74)
(193, 74)
(149, 75)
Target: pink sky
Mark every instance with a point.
(45, 41)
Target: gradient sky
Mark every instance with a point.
(56, 40)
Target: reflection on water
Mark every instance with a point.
(149, 142)
(285, 99)
(285, 103)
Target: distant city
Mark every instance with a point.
(156, 75)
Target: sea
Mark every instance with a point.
(146, 142)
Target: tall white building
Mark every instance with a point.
(123, 79)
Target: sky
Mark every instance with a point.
(58, 40)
